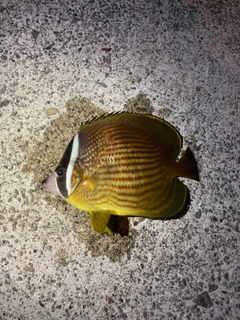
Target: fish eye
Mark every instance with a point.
(60, 172)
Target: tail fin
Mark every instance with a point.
(187, 166)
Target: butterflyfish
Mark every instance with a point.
(123, 165)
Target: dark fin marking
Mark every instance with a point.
(186, 166)
(119, 224)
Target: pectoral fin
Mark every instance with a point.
(99, 221)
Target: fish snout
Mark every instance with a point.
(45, 185)
(50, 185)
(43, 182)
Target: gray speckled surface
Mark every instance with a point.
(185, 57)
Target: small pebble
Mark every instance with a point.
(198, 214)
(4, 57)
(51, 111)
(204, 300)
(4, 103)
(213, 287)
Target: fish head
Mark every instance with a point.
(67, 175)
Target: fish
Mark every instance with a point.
(124, 165)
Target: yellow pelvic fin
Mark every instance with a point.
(99, 221)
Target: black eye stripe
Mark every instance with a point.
(63, 165)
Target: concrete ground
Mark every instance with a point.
(61, 63)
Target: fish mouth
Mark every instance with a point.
(50, 185)
(43, 183)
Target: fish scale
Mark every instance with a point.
(125, 165)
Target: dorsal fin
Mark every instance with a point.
(161, 131)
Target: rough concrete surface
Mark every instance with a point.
(64, 62)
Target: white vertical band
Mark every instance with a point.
(73, 158)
